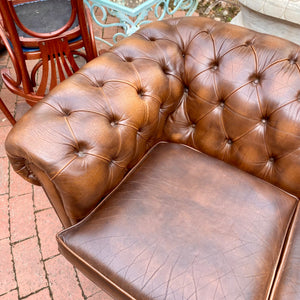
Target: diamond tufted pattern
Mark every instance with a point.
(224, 90)
(242, 102)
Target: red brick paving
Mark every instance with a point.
(4, 232)
(89, 287)
(22, 222)
(9, 100)
(30, 266)
(3, 133)
(41, 295)
(62, 286)
(47, 226)
(7, 276)
(13, 295)
(40, 199)
(18, 186)
(3, 174)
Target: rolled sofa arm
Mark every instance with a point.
(80, 141)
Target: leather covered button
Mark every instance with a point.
(249, 43)
(140, 92)
(114, 123)
(293, 60)
(67, 113)
(80, 153)
(165, 69)
(214, 65)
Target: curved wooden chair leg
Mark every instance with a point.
(7, 113)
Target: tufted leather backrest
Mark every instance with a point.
(242, 100)
(224, 90)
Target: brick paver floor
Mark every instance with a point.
(30, 264)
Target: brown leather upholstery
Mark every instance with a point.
(184, 225)
(287, 285)
(226, 91)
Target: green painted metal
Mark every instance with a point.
(132, 14)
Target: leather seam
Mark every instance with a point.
(283, 253)
(63, 244)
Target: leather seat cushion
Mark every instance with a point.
(183, 225)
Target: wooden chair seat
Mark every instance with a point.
(26, 25)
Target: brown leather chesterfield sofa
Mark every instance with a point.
(175, 156)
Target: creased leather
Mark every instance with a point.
(222, 89)
(185, 225)
(287, 283)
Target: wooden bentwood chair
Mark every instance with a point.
(50, 31)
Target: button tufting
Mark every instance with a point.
(229, 141)
(165, 69)
(186, 90)
(293, 59)
(152, 39)
(140, 92)
(222, 103)
(271, 159)
(114, 123)
(255, 78)
(128, 59)
(67, 113)
(193, 125)
(80, 153)
(214, 65)
(264, 121)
